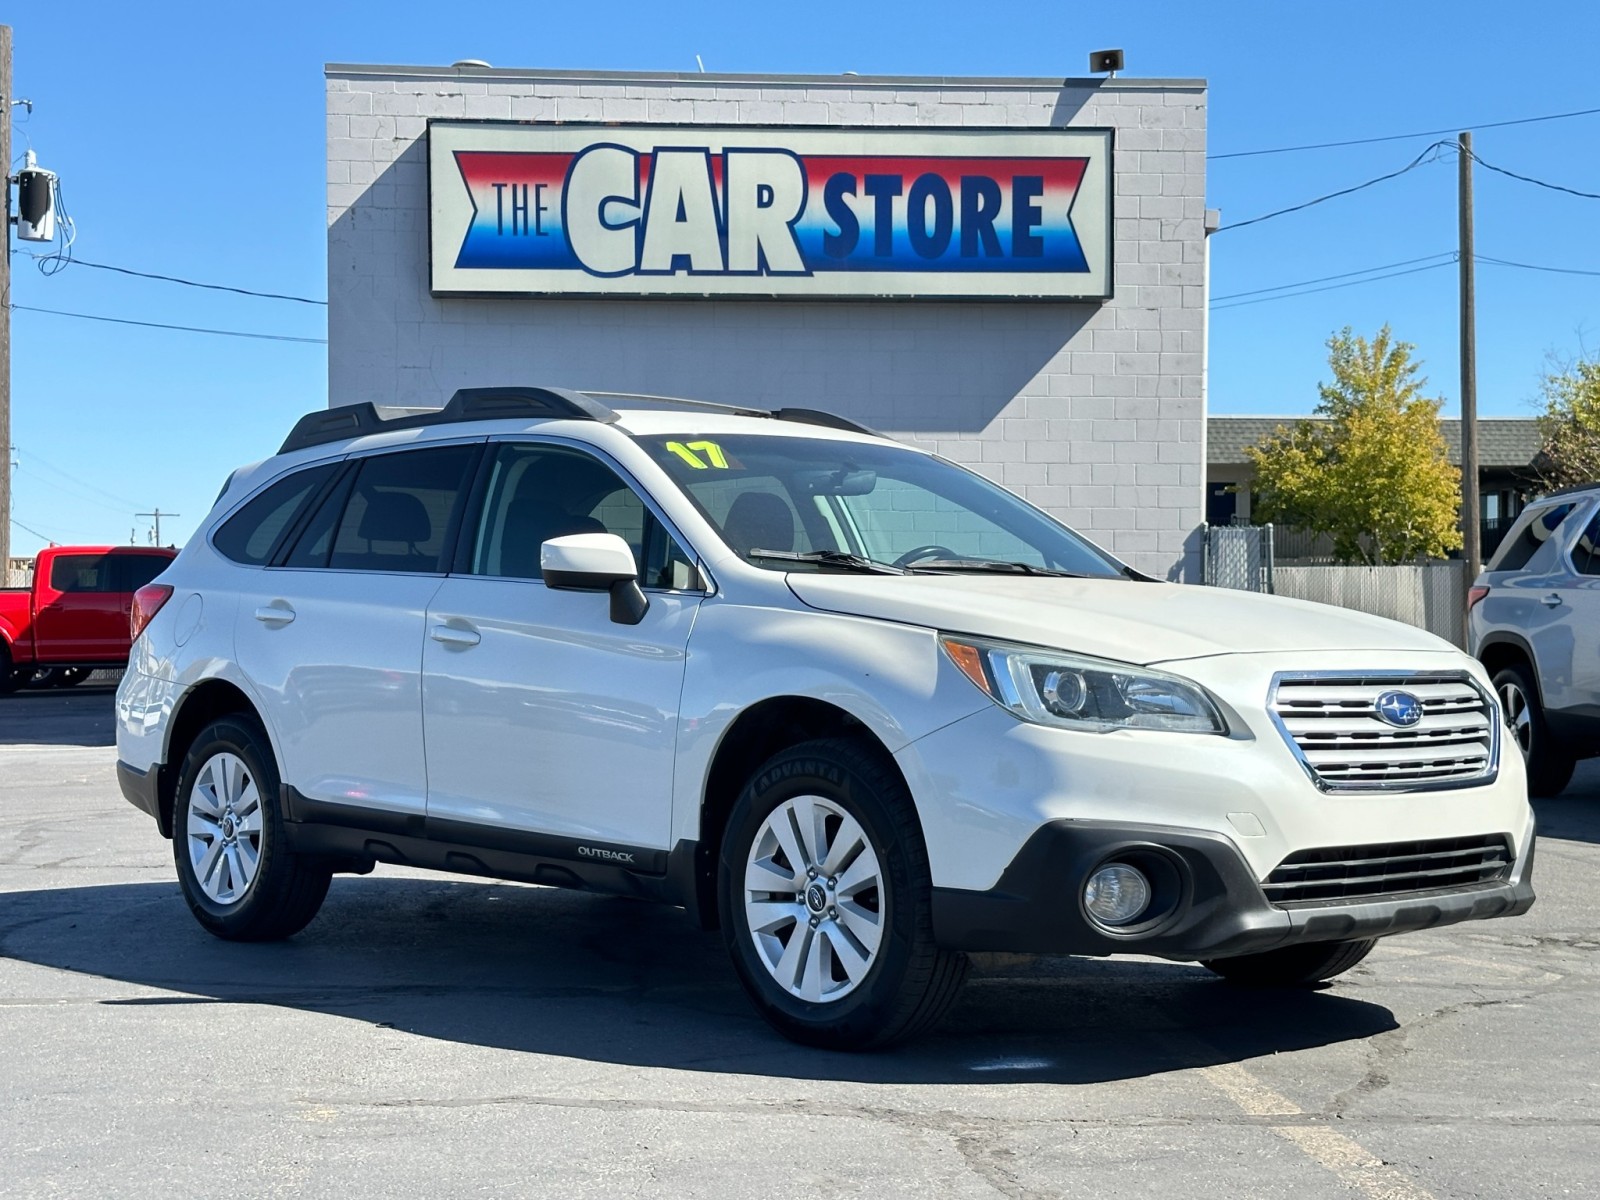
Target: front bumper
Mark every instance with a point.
(1219, 909)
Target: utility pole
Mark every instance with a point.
(157, 515)
(1470, 535)
(5, 306)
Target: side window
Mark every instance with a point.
(130, 572)
(81, 573)
(398, 515)
(315, 541)
(538, 492)
(251, 534)
(1586, 550)
(1516, 552)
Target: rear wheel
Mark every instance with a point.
(1292, 966)
(826, 901)
(71, 676)
(240, 878)
(1549, 767)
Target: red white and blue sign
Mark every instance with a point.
(675, 210)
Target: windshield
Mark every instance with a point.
(885, 504)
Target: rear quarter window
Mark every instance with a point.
(1518, 550)
(250, 535)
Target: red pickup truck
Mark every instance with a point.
(74, 618)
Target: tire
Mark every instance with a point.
(1549, 767)
(10, 677)
(40, 678)
(1292, 966)
(230, 767)
(867, 972)
(71, 676)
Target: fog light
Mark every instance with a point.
(1116, 894)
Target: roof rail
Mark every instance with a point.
(828, 420)
(468, 404)
(511, 403)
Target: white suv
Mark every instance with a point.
(856, 705)
(1534, 621)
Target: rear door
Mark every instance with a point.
(330, 632)
(550, 728)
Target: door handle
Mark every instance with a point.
(1551, 601)
(448, 635)
(275, 614)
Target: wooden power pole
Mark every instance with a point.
(5, 307)
(1470, 510)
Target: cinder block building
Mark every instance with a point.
(1011, 272)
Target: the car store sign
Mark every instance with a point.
(672, 210)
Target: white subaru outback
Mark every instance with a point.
(854, 704)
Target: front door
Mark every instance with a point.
(548, 727)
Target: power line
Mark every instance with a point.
(1335, 286)
(35, 532)
(215, 287)
(1416, 162)
(1554, 187)
(122, 501)
(1400, 137)
(1505, 262)
(1325, 278)
(239, 333)
(79, 496)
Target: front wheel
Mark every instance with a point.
(1549, 768)
(826, 900)
(1292, 966)
(240, 878)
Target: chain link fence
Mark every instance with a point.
(1238, 556)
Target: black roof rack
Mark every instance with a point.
(468, 404)
(511, 403)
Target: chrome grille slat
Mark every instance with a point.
(1331, 721)
(1389, 869)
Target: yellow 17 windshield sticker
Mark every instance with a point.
(691, 453)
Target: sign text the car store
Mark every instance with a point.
(795, 212)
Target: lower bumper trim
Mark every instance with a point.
(141, 788)
(1220, 910)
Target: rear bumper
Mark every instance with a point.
(142, 789)
(1218, 909)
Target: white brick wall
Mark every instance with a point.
(1095, 412)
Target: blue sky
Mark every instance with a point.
(190, 141)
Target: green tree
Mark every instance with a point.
(1570, 424)
(1374, 474)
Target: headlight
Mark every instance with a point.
(1054, 688)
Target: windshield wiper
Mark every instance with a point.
(946, 566)
(837, 559)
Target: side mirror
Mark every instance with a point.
(596, 562)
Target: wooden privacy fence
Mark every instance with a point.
(1430, 595)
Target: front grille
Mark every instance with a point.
(1388, 869)
(1332, 722)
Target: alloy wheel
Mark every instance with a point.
(814, 899)
(224, 828)
(1518, 719)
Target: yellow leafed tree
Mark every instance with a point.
(1374, 475)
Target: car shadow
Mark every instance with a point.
(620, 981)
(80, 716)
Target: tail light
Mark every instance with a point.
(147, 602)
(1475, 593)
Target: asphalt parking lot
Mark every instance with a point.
(438, 1036)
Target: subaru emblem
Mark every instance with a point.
(1401, 709)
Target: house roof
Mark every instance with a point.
(1502, 441)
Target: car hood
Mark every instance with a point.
(1120, 619)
